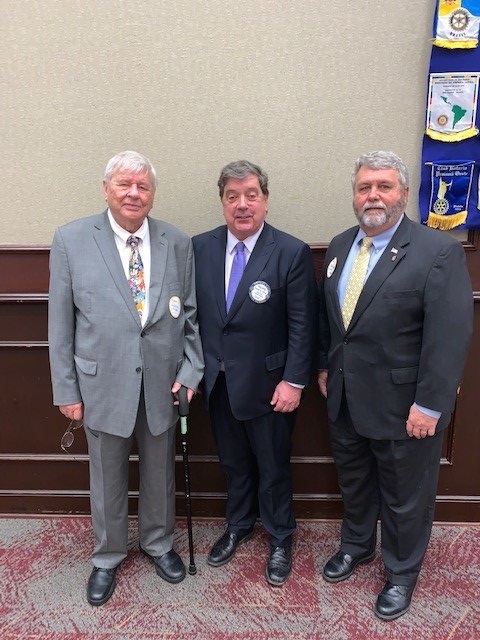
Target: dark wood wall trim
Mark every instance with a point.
(37, 477)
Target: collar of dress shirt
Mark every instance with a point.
(380, 241)
(123, 234)
(248, 242)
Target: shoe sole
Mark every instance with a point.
(161, 573)
(248, 537)
(366, 560)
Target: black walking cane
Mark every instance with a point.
(183, 413)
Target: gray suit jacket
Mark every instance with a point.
(99, 352)
(409, 336)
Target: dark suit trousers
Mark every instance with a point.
(109, 463)
(255, 456)
(395, 480)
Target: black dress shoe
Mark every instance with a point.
(394, 600)
(342, 565)
(224, 548)
(168, 566)
(101, 585)
(279, 565)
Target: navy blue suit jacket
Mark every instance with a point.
(259, 343)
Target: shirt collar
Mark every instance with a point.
(122, 233)
(249, 242)
(380, 242)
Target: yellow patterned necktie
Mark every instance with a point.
(356, 280)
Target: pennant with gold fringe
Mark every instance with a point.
(452, 106)
(457, 24)
(451, 181)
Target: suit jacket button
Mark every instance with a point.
(143, 334)
(345, 341)
(138, 369)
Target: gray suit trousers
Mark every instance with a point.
(109, 462)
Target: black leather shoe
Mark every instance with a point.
(394, 600)
(279, 565)
(224, 548)
(168, 566)
(101, 585)
(342, 565)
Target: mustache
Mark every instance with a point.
(367, 207)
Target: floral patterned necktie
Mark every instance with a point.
(136, 278)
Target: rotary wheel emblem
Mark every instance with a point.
(459, 20)
(441, 206)
(442, 120)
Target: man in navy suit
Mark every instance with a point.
(390, 375)
(258, 356)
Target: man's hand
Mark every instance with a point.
(419, 425)
(175, 387)
(285, 397)
(322, 382)
(72, 411)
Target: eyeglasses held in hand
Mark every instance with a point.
(68, 437)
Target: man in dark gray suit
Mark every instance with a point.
(258, 344)
(391, 359)
(123, 338)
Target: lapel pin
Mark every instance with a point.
(331, 267)
(394, 251)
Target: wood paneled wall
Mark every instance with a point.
(36, 476)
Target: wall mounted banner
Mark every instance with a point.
(450, 184)
(452, 106)
(457, 24)
(449, 194)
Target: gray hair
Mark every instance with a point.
(130, 161)
(241, 169)
(382, 160)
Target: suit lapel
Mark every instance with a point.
(259, 258)
(388, 262)
(158, 264)
(218, 244)
(105, 240)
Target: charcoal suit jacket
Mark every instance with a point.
(409, 335)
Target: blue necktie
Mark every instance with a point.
(236, 273)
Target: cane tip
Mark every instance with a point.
(192, 569)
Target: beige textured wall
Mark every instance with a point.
(300, 87)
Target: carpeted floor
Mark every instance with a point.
(45, 562)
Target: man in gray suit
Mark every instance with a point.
(393, 342)
(123, 338)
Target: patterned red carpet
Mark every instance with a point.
(44, 565)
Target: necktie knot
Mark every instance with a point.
(133, 241)
(366, 243)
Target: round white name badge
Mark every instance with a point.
(331, 268)
(174, 306)
(259, 291)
